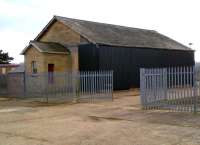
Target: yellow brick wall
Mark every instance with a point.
(62, 34)
(58, 32)
(32, 54)
(5, 70)
(62, 62)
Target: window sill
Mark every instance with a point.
(34, 75)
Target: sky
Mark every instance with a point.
(22, 20)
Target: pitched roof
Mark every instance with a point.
(108, 34)
(9, 65)
(48, 47)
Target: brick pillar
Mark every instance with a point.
(75, 60)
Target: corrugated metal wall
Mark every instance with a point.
(125, 62)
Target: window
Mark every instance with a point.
(34, 67)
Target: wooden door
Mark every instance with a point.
(50, 73)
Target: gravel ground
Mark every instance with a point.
(121, 122)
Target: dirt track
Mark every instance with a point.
(121, 122)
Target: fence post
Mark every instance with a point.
(195, 89)
(165, 84)
(75, 81)
(142, 89)
(78, 86)
(24, 82)
(112, 84)
(46, 90)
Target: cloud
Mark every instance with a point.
(12, 9)
(22, 20)
(13, 43)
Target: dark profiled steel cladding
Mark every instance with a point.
(126, 61)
